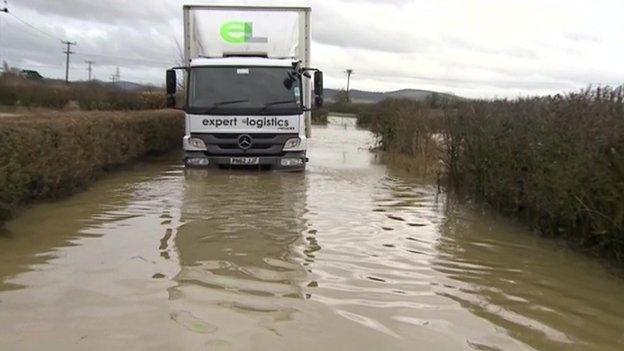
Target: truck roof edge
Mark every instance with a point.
(249, 7)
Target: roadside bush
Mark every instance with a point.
(18, 91)
(152, 99)
(50, 156)
(405, 126)
(557, 162)
(350, 107)
(319, 116)
(8, 96)
(99, 97)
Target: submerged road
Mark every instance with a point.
(351, 255)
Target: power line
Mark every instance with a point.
(40, 31)
(122, 58)
(118, 58)
(47, 34)
(68, 52)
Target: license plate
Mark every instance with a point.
(244, 161)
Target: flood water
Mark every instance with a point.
(351, 255)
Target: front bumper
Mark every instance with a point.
(276, 163)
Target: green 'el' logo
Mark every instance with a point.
(239, 32)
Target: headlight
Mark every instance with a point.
(291, 162)
(292, 143)
(197, 143)
(198, 162)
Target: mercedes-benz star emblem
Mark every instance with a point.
(245, 142)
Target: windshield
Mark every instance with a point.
(244, 90)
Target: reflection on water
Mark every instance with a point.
(239, 229)
(540, 293)
(32, 239)
(342, 121)
(348, 256)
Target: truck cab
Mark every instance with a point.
(247, 103)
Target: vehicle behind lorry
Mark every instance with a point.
(247, 86)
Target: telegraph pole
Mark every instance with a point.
(90, 69)
(68, 52)
(349, 73)
(115, 78)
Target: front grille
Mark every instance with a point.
(227, 144)
(254, 136)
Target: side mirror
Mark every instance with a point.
(318, 89)
(318, 83)
(172, 82)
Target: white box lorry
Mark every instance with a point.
(247, 86)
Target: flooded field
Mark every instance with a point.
(351, 255)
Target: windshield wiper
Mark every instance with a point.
(222, 103)
(265, 107)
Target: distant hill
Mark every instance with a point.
(122, 85)
(129, 86)
(360, 96)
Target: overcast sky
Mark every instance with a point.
(473, 48)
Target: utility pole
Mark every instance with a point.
(116, 77)
(349, 73)
(90, 69)
(68, 52)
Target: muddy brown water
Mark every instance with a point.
(351, 255)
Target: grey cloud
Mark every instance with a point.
(109, 12)
(384, 2)
(525, 82)
(339, 28)
(581, 37)
(131, 45)
(452, 40)
(139, 36)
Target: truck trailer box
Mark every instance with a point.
(272, 32)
